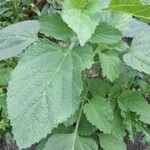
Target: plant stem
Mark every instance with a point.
(15, 10)
(79, 117)
(77, 124)
(73, 42)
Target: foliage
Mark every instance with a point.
(77, 84)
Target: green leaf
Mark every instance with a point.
(105, 33)
(41, 145)
(3, 103)
(134, 7)
(92, 6)
(146, 2)
(118, 20)
(120, 46)
(5, 75)
(38, 91)
(125, 79)
(114, 141)
(111, 64)
(109, 142)
(130, 122)
(53, 25)
(82, 17)
(98, 87)
(136, 28)
(118, 129)
(85, 127)
(99, 113)
(138, 56)
(134, 102)
(72, 119)
(17, 37)
(70, 142)
(81, 23)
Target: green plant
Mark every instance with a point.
(54, 91)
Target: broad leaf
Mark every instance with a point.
(111, 64)
(82, 17)
(118, 20)
(98, 87)
(17, 37)
(70, 142)
(109, 142)
(105, 33)
(53, 25)
(136, 28)
(72, 119)
(85, 127)
(134, 102)
(38, 91)
(120, 46)
(130, 122)
(99, 113)
(134, 7)
(138, 56)
(146, 2)
(116, 137)
(118, 129)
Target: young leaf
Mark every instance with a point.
(111, 64)
(38, 91)
(138, 56)
(70, 142)
(99, 113)
(81, 23)
(134, 102)
(17, 37)
(109, 142)
(105, 33)
(53, 25)
(134, 7)
(81, 17)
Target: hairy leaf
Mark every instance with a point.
(120, 46)
(105, 33)
(118, 129)
(17, 37)
(109, 142)
(134, 102)
(138, 56)
(111, 64)
(98, 87)
(118, 20)
(70, 142)
(134, 7)
(99, 113)
(85, 127)
(38, 91)
(53, 25)
(136, 28)
(82, 17)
